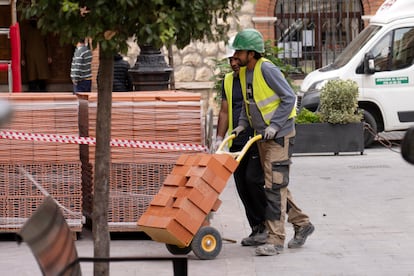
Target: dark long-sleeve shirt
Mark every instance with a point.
(122, 79)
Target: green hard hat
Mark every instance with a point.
(249, 39)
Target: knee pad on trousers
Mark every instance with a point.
(273, 207)
(280, 174)
(280, 179)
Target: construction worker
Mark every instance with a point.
(270, 109)
(248, 176)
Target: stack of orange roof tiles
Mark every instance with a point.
(29, 169)
(137, 173)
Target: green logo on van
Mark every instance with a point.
(390, 81)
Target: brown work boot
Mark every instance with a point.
(269, 249)
(301, 233)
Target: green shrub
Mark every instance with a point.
(306, 116)
(339, 102)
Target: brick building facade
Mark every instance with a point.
(194, 64)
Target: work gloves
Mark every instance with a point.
(270, 133)
(217, 143)
(238, 130)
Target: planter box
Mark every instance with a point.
(326, 137)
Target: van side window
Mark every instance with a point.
(395, 51)
(382, 53)
(403, 54)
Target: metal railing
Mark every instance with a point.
(314, 32)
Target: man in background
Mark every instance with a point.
(122, 81)
(35, 56)
(81, 68)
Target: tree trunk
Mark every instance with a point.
(102, 161)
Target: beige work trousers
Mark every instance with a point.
(275, 158)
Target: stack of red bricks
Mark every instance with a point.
(189, 193)
(31, 169)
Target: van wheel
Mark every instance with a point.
(371, 131)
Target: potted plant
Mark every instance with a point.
(336, 126)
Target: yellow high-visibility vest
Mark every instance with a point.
(266, 99)
(228, 89)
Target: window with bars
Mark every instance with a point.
(313, 33)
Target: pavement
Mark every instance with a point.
(361, 206)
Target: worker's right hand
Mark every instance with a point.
(238, 130)
(270, 133)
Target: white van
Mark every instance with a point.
(381, 60)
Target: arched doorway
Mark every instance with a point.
(313, 32)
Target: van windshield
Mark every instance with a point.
(352, 49)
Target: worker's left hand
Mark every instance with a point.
(238, 130)
(217, 143)
(270, 133)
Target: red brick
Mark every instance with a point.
(173, 233)
(143, 219)
(216, 166)
(193, 159)
(180, 170)
(154, 210)
(154, 221)
(181, 159)
(192, 182)
(182, 192)
(197, 198)
(175, 180)
(203, 172)
(219, 184)
(180, 233)
(203, 195)
(189, 215)
(227, 161)
(168, 190)
(162, 200)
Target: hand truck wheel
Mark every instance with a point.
(206, 243)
